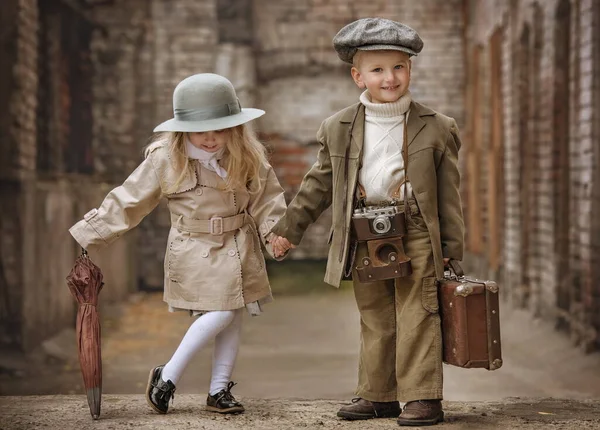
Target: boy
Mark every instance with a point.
(362, 159)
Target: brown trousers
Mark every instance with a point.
(401, 339)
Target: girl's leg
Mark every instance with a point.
(201, 332)
(226, 349)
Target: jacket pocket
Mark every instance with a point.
(174, 251)
(255, 242)
(416, 217)
(429, 295)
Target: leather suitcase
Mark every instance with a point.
(469, 310)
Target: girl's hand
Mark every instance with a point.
(446, 261)
(281, 245)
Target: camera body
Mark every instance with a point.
(374, 222)
(382, 228)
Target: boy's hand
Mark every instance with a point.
(446, 261)
(281, 245)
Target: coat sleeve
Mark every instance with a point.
(313, 197)
(122, 209)
(267, 205)
(449, 202)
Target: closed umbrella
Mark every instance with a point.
(85, 283)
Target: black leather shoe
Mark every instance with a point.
(223, 402)
(159, 392)
(362, 409)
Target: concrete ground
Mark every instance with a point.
(303, 347)
(131, 411)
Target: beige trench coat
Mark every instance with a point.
(433, 145)
(203, 271)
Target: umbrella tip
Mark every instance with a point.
(95, 417)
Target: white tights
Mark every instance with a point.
(225, 328)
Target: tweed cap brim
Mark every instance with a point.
(370, 34)
(246, 115)
(386, 48)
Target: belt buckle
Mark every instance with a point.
(216, 225)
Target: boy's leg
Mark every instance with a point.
(377, 360)
(419, 338)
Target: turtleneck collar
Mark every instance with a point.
(386, 110)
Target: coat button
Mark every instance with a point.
(204, 254)
(199, 191)
(231, 253)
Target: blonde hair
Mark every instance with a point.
(356, 58)
(244, 155)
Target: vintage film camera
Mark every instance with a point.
(382, 228)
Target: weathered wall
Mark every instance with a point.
(18, 160)
(52, 169)
(543, 207)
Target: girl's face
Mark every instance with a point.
(209, 141)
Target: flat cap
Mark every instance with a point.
(371, 34)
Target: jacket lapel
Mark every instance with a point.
(415, 123)
(355, 115)
(358, 132)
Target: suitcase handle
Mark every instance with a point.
(455, 267)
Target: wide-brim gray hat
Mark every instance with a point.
(206, 102)
(376, 34)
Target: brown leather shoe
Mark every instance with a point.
(421, 413)
(361, 409)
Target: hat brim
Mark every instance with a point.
(246, 115)
(386, 48)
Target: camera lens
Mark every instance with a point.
(382, 224)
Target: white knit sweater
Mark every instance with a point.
(383, 166)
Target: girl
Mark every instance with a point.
(223, 198)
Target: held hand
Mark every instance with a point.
(446, 261)
(281, 245)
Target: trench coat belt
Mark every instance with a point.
(216, 225)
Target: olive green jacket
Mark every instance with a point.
(433, 145)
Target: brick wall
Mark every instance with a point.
(8, 20)
(591, 255)
(18, 158)
(549, 106)
(51, 176)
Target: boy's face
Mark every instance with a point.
(386, 74)
(210, 141)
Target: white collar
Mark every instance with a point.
(210, 160)
(386, 110)
(200, 154)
